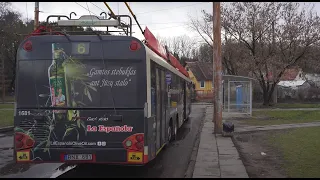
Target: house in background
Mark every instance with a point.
(201, 75)
(292, 78)
(295, 84)
(313, 78)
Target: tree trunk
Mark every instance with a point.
(266, 99)
(267, 96)
(12, 83)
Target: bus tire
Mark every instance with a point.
(176, 126)
(171, 135)
(186, 120)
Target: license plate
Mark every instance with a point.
(78, 157)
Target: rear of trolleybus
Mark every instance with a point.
(81, 99)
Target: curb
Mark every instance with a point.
(241, 156)
(276, 129)
(7, 102)
(6, 129)
(194, 153)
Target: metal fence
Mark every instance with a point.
(204, 95)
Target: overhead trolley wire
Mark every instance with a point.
(86, 9)
(96, 6)
(135, 18)
(171, 8)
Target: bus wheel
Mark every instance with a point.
(186, 119)
(175, 129)
(171, 135)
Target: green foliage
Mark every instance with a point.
(300, 150)
(275, 117)
(6, 117)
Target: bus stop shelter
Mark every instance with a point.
(237, 94)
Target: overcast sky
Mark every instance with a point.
(162, 18)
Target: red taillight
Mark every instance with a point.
(139, 145)
(23, 141)
(19, 137)
(27, 46)
(139, 137)
(19, 140)
(29, 142)
(134, 142)
(134, 46)
(19, 145)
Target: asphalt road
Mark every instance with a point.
(172, 162)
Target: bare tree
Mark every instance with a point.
(205, 53)
(232, 53)
(4, 7)
(181, 46)
(275, 36)
(311, 64)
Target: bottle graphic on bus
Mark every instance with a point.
(59, 85)
(57, 82)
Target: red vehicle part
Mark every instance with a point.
(41, 30)
(134, 142)
(23, 141)
(134, 46)
(156, 47)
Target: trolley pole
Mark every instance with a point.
(36, 15)
(217, 69)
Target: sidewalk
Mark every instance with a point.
(217, 157)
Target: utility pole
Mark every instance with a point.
(3, 84)
(3, 79)
(217, 69)
(36, 15)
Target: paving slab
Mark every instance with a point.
(199, 176)
(233, 171)
(206, 171)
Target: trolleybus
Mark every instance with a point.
(96, 98)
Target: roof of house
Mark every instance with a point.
(291, 83)
(290, 74)
(201, 70)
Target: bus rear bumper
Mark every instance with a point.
(95, 155)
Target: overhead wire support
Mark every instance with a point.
(135, 18)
